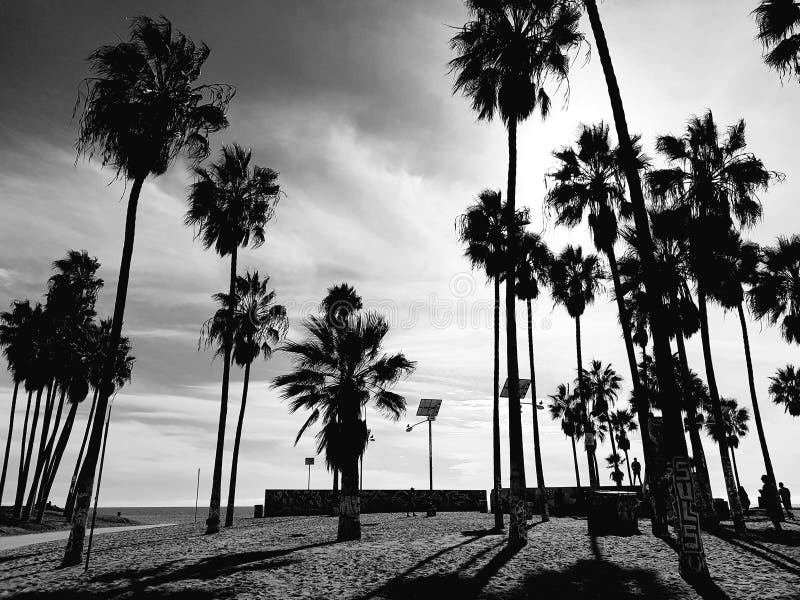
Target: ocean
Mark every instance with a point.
(153, 515)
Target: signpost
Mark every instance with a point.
(428, 408)
(309, 462)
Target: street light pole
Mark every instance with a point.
(430, 451)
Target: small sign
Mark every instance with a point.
(524, 384)
(310, 461)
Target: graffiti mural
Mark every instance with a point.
(693, 564)
(321, 502)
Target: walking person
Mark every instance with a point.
(636, 467)
(411, 508)
(770, 495)
(786, 499)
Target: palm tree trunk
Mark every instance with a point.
(236, 443)
(22, 450)
(617, 480)
(642, 412)
(628, 466)
(762, 438)
(69, 503)
(496, 506)
(212, 523)
(537, 453)
(517, 531)
(50, 474)
(708, 516)
(48, 454)
(593, 479)
(692, 555)
(22, 483)
(8, 440)
(349, 503)
(575, 459)
(85, 481)
(722, 443)
(42, 457)
(735, 469)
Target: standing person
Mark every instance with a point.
(786, 498)
(744, 499)
(411, 507)
(770, 495)
(636, 467)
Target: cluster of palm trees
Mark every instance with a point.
(56, 352)
(683, 247)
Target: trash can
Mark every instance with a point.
(258, 511)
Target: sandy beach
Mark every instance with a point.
(450, 556)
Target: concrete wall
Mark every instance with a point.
(319, 502)
(563, 501)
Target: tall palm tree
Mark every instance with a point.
(230, 203)
(621, 422)
(533, 272)
(784, 388)
(603, 385)
(337, 372)
(775, 291)
(574, 280)
(481, 228)
(259, 323)
(505, 54)
(565, 408)
(733, 428)
(718, 181)
(692, 563)
(140, 110)
(779, 32)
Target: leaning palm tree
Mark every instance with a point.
(533, 272)
(692, 563)
(603, 385)
(141, 109)
(718, 181)
(779, 33)
(574, 280)
(481, 228)
(337, 372)
(230, 203)
(505, 55)
(565, 409)
(784, 388)
(259, 324)
(733, 428)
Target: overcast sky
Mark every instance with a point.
(350, 101)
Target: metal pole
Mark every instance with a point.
(197, 495)
(309, 477)
(430, 451)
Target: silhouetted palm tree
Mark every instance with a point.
(784, 388)
(620, 422)
(718, 182)
(779, 33)
(603, 385)
(574, 280)
(567, 409)
(734, 427)
(775, 292)
(258, 325)
(533, 272)
(141, 109)
(230, 203)
(337, 372)
(504, 56)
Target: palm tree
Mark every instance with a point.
(718, 182)
(532, 272)
(734, 427)
(775, 291)
(574, 280)
(692, 564)
(613, 461)
(603, 385)
(504, 56)
(259, 324)
(230, 203)
(565, 408)
(481, 228)
(621, 421)
(779, 33)
(784, 388)
(141, 109)
(337, 372)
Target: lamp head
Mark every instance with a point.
(408, 428)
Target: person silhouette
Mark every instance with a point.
(410, 508)
(786, 499)
(636, 467)
(771, 503)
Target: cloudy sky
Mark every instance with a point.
(351, 103)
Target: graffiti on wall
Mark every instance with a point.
(692, 559)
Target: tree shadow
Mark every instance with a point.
(749, 544)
